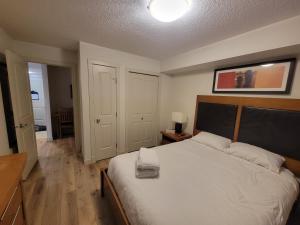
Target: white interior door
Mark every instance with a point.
(22, 106)
(103, 99)
(142, 106)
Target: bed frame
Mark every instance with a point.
(229, 112)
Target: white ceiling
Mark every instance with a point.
(127, 25)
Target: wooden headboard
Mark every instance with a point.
(255, 121)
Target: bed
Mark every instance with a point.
(201, 185)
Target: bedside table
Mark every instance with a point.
(168, 138)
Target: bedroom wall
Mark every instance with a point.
(59, 79)
(44, 54)
(275, 36)
(166, 95)
(124, 61)
(275, 41)
(186, 87)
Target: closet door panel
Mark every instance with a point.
(135, 132)
(149, 95)
(148, 126)
(107, 93)
(142, 101)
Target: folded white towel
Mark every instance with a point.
(147, 164)
(147, 159)
(146, 173)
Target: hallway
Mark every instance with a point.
(61, 190)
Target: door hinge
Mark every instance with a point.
(116, 145)
(21, 125)
(116, 114)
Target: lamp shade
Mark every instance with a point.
(179, 117)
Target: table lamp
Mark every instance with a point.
(179, 118)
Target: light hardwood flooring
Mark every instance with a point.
(61, 190)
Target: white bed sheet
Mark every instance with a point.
(200, 185)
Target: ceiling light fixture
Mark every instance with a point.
(168, 10)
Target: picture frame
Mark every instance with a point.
(269, 77)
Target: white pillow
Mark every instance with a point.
(257, 155)
(212, 140)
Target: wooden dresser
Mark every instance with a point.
(11, 200)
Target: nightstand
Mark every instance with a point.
(168, 138)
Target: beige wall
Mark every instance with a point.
(44, 54)
(167, 89)
(275, 36)
(60, 79)
(278, 40)
(123, 61)
(186, 87)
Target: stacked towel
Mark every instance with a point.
(147, 164)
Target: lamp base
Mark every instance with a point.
(178, 128)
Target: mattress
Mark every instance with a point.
(201, 185)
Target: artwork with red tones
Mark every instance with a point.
(271, 77)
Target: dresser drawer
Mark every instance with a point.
(13, 207)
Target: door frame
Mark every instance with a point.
(91, 113)
(75, 90)
(48, 118)
(157, 114)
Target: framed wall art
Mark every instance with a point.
(273, 77)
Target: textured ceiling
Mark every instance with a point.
(127, 25)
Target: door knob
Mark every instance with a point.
(97, 120)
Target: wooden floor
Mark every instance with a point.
(61, 190)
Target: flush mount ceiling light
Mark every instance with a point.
(168, 10)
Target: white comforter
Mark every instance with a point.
(202, 186)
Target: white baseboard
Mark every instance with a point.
(88, 162)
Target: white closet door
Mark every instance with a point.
(103, 88)
(142, 101)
